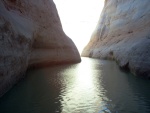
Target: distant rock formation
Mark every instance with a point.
(31, 35)
(123, 34)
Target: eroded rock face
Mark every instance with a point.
(123, 34)
(31, 35)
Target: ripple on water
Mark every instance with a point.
(92, 86)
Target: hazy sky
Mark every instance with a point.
(79, 18)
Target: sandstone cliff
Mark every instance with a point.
(31, 35)
(123, 34)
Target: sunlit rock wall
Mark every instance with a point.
(123, 34)
(31, 35)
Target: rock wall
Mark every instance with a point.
(31, 35)
(123, 34)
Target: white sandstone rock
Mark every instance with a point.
(123, 34)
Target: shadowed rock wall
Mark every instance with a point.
(31, 35)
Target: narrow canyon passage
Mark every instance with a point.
(32, 35)
(92, 86)
(79, 19)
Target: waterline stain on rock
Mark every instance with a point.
(31, 34)
(127, 35)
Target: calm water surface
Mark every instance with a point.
(92, 86)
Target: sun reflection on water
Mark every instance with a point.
(93, 86)
(82, 89)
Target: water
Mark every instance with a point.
(92, 86)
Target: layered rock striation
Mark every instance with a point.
(123, 34)
(31, 35)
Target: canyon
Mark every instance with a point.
(123, 34)
(31, 35)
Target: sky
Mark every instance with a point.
(79, 19)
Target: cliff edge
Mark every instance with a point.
(123, 34)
